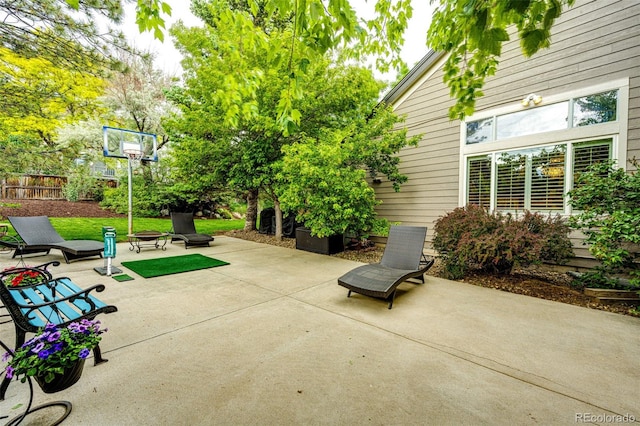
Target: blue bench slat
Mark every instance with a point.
(65, 288)
(71, 312)
(70, 288)
(66, 310)
(37, 317)
(36, 321)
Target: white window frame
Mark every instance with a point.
(616, 130)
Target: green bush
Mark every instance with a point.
(607, 201)
(472, 238)
(81, 185)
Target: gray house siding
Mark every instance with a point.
(594, 42)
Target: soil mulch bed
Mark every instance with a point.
(530, 282)
(53, 208)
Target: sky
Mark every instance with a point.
(168, 58)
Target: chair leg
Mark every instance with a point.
(393, 296)
(3, 387)
(97, 356)
(349, 294)
(21, 337)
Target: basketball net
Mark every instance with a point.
(133, 155)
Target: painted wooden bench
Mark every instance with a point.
(55, 300)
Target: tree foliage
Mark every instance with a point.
(53, 55)
(137, 96)
(316, 27)
(607, 203)
(37, 98)
(67, 32)
(324, 177)
(229, 136)
(475, 44)
(51, 29)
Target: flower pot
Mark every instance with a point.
(323, 245)
(62, 381)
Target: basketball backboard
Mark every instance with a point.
(116, 141)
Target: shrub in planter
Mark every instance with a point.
(471, 237)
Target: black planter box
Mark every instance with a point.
(325, 245)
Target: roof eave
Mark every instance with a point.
(412, 76)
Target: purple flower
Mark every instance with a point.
(53, 336)
(43, 354)
(57, 347)
(6, 357)
(84, 353)
(37, 348)
(50, 327)
(77, 328)
(9, 371)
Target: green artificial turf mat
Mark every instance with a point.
(172, 265)
(122, 277)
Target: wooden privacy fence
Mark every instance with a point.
(37, 187)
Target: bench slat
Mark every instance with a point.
(28, 296)
(65, 288)
(64, 311)
(70, 288)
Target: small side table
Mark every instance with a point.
(137, 240)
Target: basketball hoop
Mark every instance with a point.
(134, 155)
(134, 147)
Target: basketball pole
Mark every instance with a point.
(130, 183)
(131, 154)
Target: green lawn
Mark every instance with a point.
(91, 228)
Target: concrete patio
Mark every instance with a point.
(272, 339)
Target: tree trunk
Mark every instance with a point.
(278, 213)
(252, 210)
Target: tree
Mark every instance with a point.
(319, 26)
(36, 99)
(66, 32)
(327, 26)
(137, 96)
(246, 147)
(481, 27)
(324, 177)
(37, 96)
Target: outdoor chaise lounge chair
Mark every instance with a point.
(184, 229)
(38, 235)
(402, 259)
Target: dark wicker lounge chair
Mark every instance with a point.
(402, 259)
(184, 229)
(38, 235)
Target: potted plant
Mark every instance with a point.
(55, 356)
(20, 277)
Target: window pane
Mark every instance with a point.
(590, 153)
(511, 173)
(531, 121)
(547, 178)
(594, 109)
(480, 131)
(479, 181)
